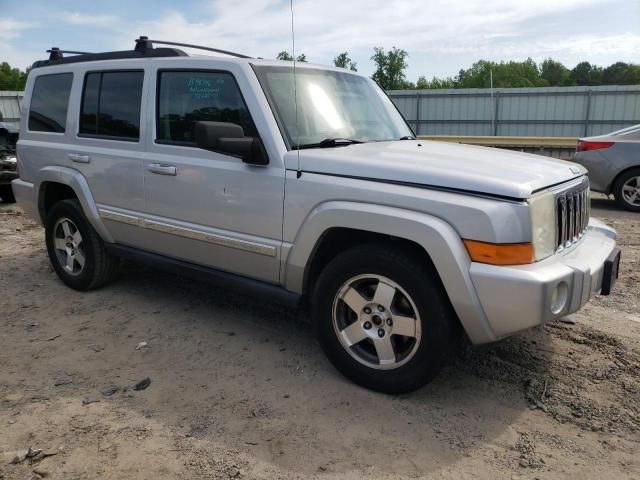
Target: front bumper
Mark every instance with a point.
(519, 297)
(7, 176)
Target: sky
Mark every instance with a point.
(441, 36)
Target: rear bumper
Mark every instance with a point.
(26, 197)
(519, 297)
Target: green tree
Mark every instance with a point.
(344, 61)
(390, 68)
(621, 73)
(284, 55)
(555, 73)
(12, 78)
(505, 75)
(434, 83)
(586, 74)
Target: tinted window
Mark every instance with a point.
(49, 102)
(188, 97)
(111, 104)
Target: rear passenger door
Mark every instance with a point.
(108, 149)
(206, 207)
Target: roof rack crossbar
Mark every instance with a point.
(199, 47)
(56, 54)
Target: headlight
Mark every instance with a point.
(543, 225)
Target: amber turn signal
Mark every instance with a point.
(500, 253)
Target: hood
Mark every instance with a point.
(442, 165)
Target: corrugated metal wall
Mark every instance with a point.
(538, 112)
(10, 105)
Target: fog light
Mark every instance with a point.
(559, 297)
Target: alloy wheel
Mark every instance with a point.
(69, 249)
(376, 321)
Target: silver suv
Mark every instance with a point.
(304, 182)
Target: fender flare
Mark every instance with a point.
(76, 181)
(438, 238)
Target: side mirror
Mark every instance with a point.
(227, 137)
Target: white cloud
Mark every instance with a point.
(10, 28)
(76, 18)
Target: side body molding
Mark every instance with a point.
(437, 237)
(73, 179)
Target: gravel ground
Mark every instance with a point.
(239, 389)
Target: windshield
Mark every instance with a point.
(331, 106)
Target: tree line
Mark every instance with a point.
(391, 66)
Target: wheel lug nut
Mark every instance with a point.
(367, 310)
(367, 325)
(389, 322)
(380, 308)
(380, 332)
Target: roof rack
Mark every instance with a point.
(144, 48)
(56, 54)
(144, 43)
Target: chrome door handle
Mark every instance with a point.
(162, 169)
(79, 158)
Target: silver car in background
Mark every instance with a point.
(613, 161)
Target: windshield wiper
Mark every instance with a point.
(407, 137)
(330, 142)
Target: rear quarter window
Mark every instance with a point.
(49, 103)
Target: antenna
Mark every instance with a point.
(295, 89)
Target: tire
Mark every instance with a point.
(6, 193)
(416, 294)
(68, 233)
(623, 190)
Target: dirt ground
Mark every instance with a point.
(239, 388)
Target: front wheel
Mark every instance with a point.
(383, 318)
(626, 190)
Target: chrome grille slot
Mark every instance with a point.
(573, 207)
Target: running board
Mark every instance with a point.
(230, 281)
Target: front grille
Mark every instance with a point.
(573, 207)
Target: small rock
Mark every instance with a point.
(142, 345)
(142, 384)
(88, 401)
(109, 390)
(287, 396)
(524, 462)
(569, 320)
(146, 413)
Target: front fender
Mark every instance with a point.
(76, 181)
(439, 240)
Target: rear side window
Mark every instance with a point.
(49, 103)
(111, 105)
(186, 97)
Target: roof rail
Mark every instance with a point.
(143, 43)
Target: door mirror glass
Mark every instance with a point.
(227, 137)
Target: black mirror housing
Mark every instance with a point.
(227, 137)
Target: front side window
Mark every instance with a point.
(111, 104)
(49, 103)
(187, 97)
(330, 105)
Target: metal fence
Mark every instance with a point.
(535, 112)
(10, 105)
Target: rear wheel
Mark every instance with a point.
(6, 193)
(383, 318)
(626, 190)
(76, 251)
